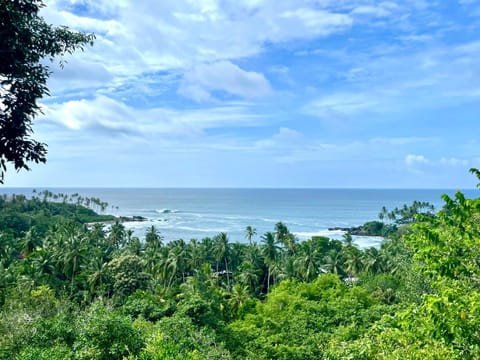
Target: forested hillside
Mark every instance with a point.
(74, 290)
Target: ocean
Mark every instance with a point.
(198, 213)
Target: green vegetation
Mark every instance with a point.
(71, 291)
(19, 214)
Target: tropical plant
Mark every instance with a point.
(250, 232)
(221, 251)
(270, 252)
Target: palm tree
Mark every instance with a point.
(253, 254)
(307, 263)
(116, 238)
(135, 246)
(392, 214)
(249, 274)
(383, 213)
(285, 237)
(97, 234)
(373, 261)
(195, 255)
(70, 251)
(347, 240)
(270, 252)
(153, 239)
(221, 250)
(250, 232)
(397, 256)
(44, 266)
(353, 256)
(237, 297)
(289, 266)
(129, 234)
(353, 263)
(207, 249)
(98, 276)
(175, 261)
(235, 256)
(333, 262)
(155, 262)
(281, 232)
(30, 242)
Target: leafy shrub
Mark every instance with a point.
(106, 335)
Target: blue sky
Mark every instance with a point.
(251, 93)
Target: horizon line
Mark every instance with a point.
(229, 188)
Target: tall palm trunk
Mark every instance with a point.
(73, 274)
(268, 280)
(226, 269)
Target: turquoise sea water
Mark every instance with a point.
(198, 213)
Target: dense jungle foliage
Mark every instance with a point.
(74, 288)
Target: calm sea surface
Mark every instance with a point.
(198, 213)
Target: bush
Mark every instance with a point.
(106, 335)
(59, 352)
(177, 338)
(148, 306)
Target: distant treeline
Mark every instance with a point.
(19, 213)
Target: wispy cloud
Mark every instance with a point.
(342, 104)
(463, 163)
(378, 11)
(103, 112)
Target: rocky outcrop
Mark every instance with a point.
(131, 218)
(354, 230)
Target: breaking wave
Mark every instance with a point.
(167, 211)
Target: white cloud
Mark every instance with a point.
(452, 161)
(413, 160)
(286, 134)
(225, 76)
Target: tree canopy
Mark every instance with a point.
(25, 41)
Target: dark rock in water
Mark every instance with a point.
(354, 230)
(139, 218)
(370, 228)
(131, 218)
(120, 219)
